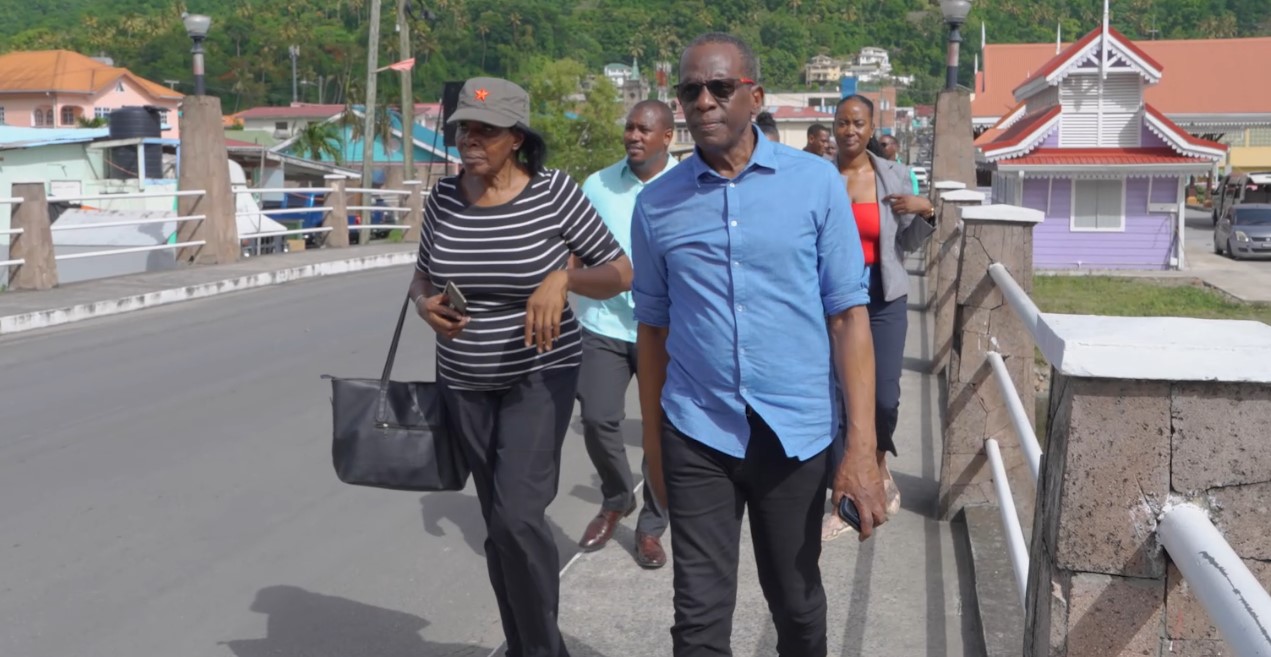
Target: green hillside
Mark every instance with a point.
(248, 64)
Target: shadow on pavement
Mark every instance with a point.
(464, 512)
(306, 624)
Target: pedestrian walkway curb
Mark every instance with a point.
(39, 319)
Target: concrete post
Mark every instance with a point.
(393, 178)
(985, 322)
(1144, 412)
(944, 228)
(945, 277)
(204, 165)
(953, 154)
(35, 243)
(337, 218)
(414, 218)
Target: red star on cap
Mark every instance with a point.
(482, 94)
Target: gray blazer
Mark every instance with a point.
(897, 235)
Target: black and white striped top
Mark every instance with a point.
(498, 256)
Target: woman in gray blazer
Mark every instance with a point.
(892, 222)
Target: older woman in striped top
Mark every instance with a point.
(502, 232)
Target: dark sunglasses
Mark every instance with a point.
(722, 89)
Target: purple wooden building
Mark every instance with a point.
(1106, 168)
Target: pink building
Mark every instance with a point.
(56, 88)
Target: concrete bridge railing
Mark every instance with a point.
(1145, 505)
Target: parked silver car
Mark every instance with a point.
(1244, 231)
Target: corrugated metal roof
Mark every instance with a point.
(18, 137)
(1103, 157)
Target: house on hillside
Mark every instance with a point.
(1106, 168)
(1212, 91)
(56, 88)
(279, 123)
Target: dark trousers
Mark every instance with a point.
(512, 440)
(608, 366)
(707, 493)
(888, 323)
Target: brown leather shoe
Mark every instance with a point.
(600, 529)
(649, 552)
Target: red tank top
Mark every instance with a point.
(867, 224)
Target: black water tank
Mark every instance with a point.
(130, 123)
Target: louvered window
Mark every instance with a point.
(1121, 106)
(1098, 205)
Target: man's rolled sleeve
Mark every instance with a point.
(844, 278)
(648, 286)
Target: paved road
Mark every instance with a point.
(1246, 279)
(166, 489)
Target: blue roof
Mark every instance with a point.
(17, 137)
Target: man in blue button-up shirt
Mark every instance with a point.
(740, 255)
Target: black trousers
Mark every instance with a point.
(888, 324)
(608, 366)
(707, 493)
(512, 440)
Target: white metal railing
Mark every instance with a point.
(379, 208)
(130, 222)
(1019, 417)
(297, 231)
(1015, 544)
(129, 195)
(12, 263)
(11, 231)
(1234, 599)
(377, 192)
(283, 211)
(379, 227)
(131, 249)
(282, 190)
(1015, 295)
(11, 199)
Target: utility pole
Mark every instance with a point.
(408, 97)
(294, 51)
(368, 110)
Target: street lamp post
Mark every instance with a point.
(197, 25)
(955, 12)
(294, 52)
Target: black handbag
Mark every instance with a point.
(396, 435)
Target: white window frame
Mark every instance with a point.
(1072, 207)
(101, 113)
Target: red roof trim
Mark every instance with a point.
(1059, 61)
(1022, 130)
(1104, 157)
(1181, 133)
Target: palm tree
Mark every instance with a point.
(318, 140)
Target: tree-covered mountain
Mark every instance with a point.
(248, 64)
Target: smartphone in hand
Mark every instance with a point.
(456, 298)
(849, 513)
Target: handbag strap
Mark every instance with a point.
(392, 348)
(381, 407)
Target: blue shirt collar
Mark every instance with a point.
(764, 156)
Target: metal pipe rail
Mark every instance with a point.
(1019, 417)
(116, 197)
(379, 227)
(12, 231)
(133, 249)
(12, 263)
(363, 190)
(283, 211)
(1234, 599)
(131, 222)
(379, 208)
(12, 199)
(282, 190)
(1015, 545)
(1016, 297)
(297, 231)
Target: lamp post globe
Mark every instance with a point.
(197, 26)
(955, 13)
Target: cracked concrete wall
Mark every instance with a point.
(976, 411)
(1099, 582)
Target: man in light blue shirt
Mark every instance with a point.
(750, 291)
(609, 336)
